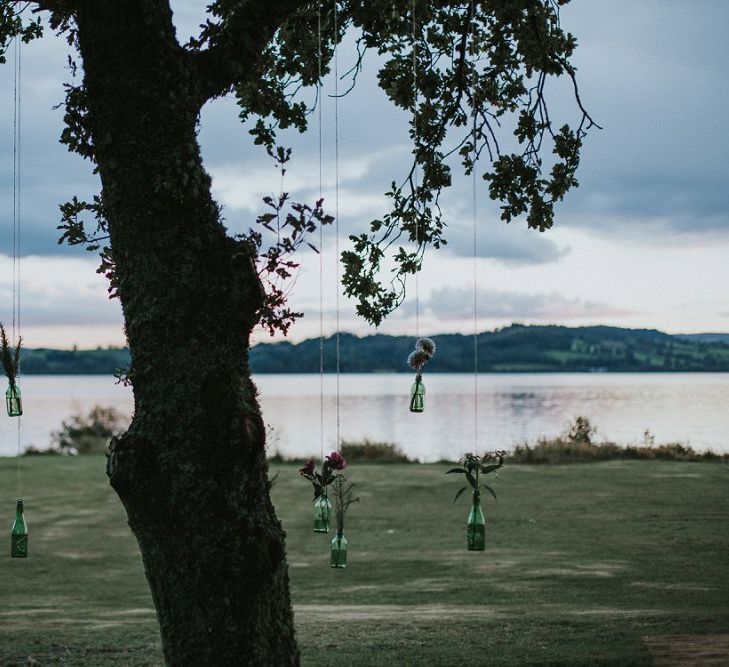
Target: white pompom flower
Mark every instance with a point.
(426, 345)
(417, 359)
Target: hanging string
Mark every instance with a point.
(475, 250)
(336, 194)
(415, 172)
(17, 77)
(15, 183)
(475, 303)
(320, 101)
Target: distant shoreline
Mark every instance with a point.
(409, 373)
(514, 349)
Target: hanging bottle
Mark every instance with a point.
(322, 512)
(339, 551)
(475, 527)
(417, 395)
(13, 401)
(19, 534)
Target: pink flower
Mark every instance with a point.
(336, 461)
(308, 468)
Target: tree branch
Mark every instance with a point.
(65, 6)
(237, 42)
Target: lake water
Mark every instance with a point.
(688, 407)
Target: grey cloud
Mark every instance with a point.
(57, 291)
(664, 206)
(50, 174)
(455, 303)
(651, 73)
(73, 311)
(511, 244)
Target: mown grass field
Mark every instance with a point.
(583, 561)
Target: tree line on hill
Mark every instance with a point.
(517, 348)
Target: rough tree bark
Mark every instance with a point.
(191, 470)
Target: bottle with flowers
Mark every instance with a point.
(343, 493)
(473, 467)
(423, 352)
(320, 481)
(11, 362)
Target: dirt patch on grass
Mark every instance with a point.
(672, 587)
(599, 570)
(685, 650)
(511, 587)
(92, 619)
(134, 611)
(613, 611)
(391, 613)
(427, 585)
(31, 612)
(72, 555)
(325, 613)
(675, 475)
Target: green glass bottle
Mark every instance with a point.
(339, 551)
(475, 528)
(417, 395)
(19, 534)
(322, 512)
(12, 401)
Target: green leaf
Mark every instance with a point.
(461, 470)
(460, 493)
(471, 480)
(490, 468)
(490, 490)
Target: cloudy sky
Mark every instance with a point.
(644, 241)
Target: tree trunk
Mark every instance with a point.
(191, 470)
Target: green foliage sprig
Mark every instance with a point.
(343, 495)
(10, 360)
(75, 233)
(473, 466)
(286, 231)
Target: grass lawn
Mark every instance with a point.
(582, 562)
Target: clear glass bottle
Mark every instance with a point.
(19, 534)
(13, 401)
(475, 527)
(322, 512)
(417, 395)
(339, 551)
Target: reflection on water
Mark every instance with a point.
(512, 408)
(691, 408)
(49, 399)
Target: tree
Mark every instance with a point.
(191, 469)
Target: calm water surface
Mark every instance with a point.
(687, 407)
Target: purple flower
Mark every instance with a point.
(308, 468)
(336, 461)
